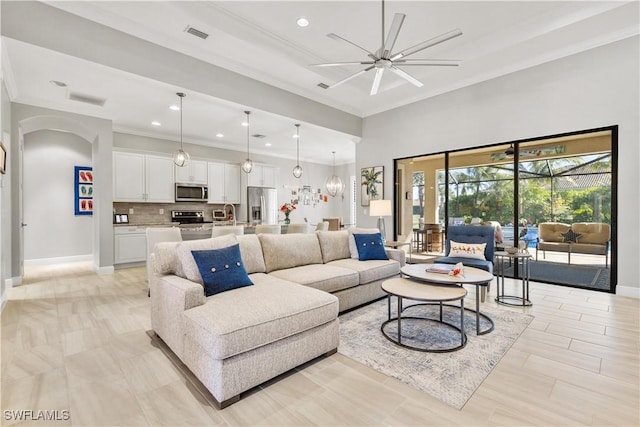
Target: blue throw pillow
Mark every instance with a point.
(370, 247)
(221, 269)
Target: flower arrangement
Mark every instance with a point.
(287, 208)
(457, 270)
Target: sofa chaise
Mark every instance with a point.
(237, 339)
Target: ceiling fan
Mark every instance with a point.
(384, 58)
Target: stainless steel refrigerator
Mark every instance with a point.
(262, 205)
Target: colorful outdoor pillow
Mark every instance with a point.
(370, 247)
(570, 236)
(467, 250)
(221, 269)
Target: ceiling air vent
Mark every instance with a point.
(323, 85)
(259, 135)
(87, 99)
(197, 33)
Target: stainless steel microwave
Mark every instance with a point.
(191, 193)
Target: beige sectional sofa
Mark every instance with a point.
(235, 340)
(593, 238)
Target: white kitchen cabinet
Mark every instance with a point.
(224, 183)
(263, 176)
(130, 244)
(194, 172)
(143, 178)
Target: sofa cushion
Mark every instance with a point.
(166, 258)
(187, 264)
(251, 251)
(353, 249)
(369, 271)
(221, 269)
(552, 231)
(271, 310)
(589, 248)
(334, 245)
(325, 277)
(370, 247)
(592, 232)
(290, 250)
(553, 246)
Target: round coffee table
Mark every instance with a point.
(472, 276)
(431, 294)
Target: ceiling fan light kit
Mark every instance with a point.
(383, 59)
(180, 157)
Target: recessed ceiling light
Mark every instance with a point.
(267, 144)
(174, 108)
(219, 135)
(244, 124)
(57, 83)
(156, 123)
(294, 136)
(302, 22)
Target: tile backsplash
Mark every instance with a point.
(149, 213)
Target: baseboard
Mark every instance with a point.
(628, 291)
(58, 260)
(104, 270)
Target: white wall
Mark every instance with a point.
(592, 89)
(53, 230)
(5, 196)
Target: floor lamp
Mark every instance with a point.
(381, 208)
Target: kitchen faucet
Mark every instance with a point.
(233, 211)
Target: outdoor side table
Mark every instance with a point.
(520, 259)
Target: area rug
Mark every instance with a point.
(450, 377)
(591, 277)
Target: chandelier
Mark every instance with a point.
(334, 184)
(180, 157)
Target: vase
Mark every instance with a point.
(286, 219)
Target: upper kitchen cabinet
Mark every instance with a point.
(262, 176)
(194, 172)
(142, 178)
(224, 183)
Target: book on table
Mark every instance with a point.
(439, 268)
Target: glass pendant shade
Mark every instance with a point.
(334, 184)
(297, 171)
(180, 157)
(247, 166)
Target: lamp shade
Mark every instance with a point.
(380, 208)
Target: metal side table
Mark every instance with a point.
(521, 259)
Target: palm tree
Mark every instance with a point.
(370, 179)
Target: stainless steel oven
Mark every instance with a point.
(191, 193)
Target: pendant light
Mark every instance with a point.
(180, 157)
(334, 184)
(247, 166)
(297, 171)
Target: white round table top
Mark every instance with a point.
(411, 289)
(471, 275)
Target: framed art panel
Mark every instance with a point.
(372, 180)
(83, 190)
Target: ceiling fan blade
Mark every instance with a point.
(377, 80)
(398, 19)
(337, 37)
(354, 75)
(338, 64)
(430, 62)
(406, 76)
(429, 43)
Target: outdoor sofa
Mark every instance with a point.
(237, 339)
(580, 237)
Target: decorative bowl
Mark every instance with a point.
(511, 250)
